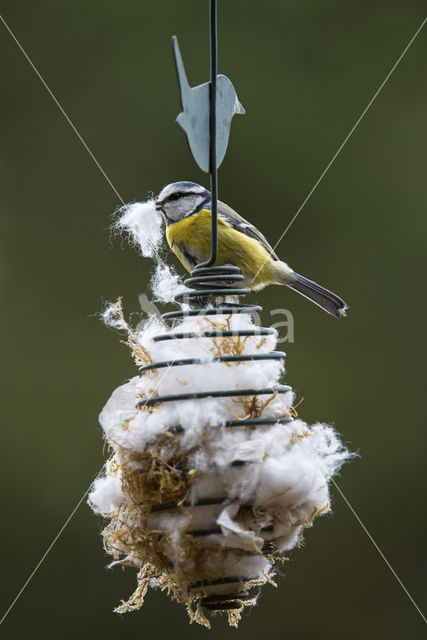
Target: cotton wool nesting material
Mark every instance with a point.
(273, 479)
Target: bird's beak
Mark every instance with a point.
(158, 205)
(239, 108)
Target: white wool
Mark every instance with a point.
(213, 376)
(166, 283)
(123, 401)
(143, 224)
(113, 318)
(107, 491)
(282, 470)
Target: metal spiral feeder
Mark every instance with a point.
(213, 291)
(203, 498)
(208, 283)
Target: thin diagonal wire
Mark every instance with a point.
(40, 562)
(58, 535)
(379, 550)
(371, 538)
(42, 80)
(346, 139)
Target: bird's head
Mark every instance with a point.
(181, 199)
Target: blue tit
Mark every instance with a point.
(186, 209)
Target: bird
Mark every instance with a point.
(195, 114)
(186, 210)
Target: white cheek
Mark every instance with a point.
(173, 211)
(177, 210)
(191, 203)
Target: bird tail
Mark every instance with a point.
(325, 299)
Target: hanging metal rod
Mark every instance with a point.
(212, 135)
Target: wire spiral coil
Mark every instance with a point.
(215, 291)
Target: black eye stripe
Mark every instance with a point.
(177, 195)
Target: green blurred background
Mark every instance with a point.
(304, 70)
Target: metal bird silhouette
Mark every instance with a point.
(194, 118)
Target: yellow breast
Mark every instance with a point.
(192, 236)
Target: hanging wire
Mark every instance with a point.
(212, 136)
